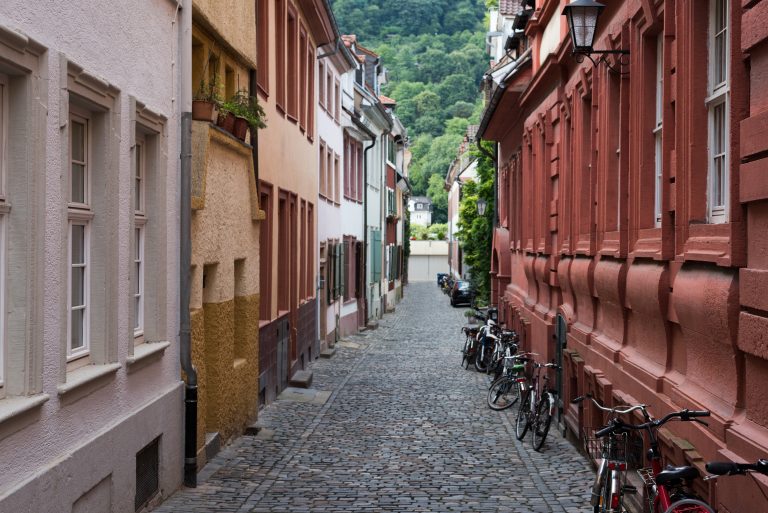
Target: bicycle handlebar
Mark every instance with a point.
(722, 468)
(617, 409)
(617, 425)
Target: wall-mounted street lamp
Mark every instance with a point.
(582, 18)
(481, 204)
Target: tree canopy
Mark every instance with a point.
(434, 54)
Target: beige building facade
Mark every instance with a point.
(224, 297)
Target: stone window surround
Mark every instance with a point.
(149, 128)
(99, 101)
(20, 62)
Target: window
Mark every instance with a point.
(329, 173)
(139, 221)
(391, 150)
(323, 177)
(310, 269)
(337, 178)
(658, 160)
(329, 90)
(3, 214)
(337, 101)
(303, 82)
(262, 46)
(265, 260)
(360, 172)
(717, 108)
(310, 92)
(292, 80)
(78, 336)
(321, 74)
(280, 53)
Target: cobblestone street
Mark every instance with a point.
(392, 423)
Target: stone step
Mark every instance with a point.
(328, 353)
(301, 379)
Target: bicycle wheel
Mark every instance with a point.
(689, 505)
(465, 352)
(482, 355)
(503, 393)
(523, 415)
(542, 421)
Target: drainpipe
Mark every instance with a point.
(185, 243)
(252, 84)
(359, 124)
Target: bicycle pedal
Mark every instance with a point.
(629, 489)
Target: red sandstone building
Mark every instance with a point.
(632, 232)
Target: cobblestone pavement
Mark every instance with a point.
(392, 423)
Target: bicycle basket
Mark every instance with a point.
(612, 447)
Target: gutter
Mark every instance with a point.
(497, 94)
(185, 247)
(359, 124)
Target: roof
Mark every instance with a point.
(421, 199)
(349, 40)
(510, 7)
(387, 100)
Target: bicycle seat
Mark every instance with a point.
(674, 475)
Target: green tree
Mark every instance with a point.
(439, 196)
(476, 232)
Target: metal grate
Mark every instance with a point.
(147, 473)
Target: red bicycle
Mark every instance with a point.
(666, 488)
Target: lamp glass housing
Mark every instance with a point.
(481, 204)
(582, 18)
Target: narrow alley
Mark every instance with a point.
(391, 423)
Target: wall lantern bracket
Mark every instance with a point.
(582, 18)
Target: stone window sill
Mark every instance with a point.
(86, 375)
(146, 350)
(12, 406)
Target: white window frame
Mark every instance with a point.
(84, 350)
(83, 119)
(139, 238)
(658, 162)
(717, 97)
(4, 211)
(79, 214)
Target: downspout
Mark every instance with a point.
(185, 243)
(367, 131)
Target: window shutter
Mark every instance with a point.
(359, 267)
(376, 255)
(343, 270)
(338, 270)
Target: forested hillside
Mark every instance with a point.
(434, 54)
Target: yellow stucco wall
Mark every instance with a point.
(224, 300)
(232, 19)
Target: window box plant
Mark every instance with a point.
(206, 101)
(247, 113)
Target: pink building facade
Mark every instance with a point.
(632, 220)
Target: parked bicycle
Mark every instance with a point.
(470, 345)
(537, 407)
(610, 455)
(504, 344)
(507, 389)
(666, 488)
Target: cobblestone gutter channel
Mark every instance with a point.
(392, 423)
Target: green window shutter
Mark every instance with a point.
(343, 269)
(376, 255)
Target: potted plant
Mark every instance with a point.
(206, 101)
(247, 112)
(226, 118)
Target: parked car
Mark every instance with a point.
(461, 293)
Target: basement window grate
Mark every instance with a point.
(147, 473)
